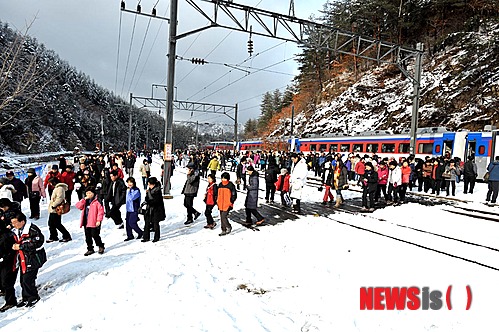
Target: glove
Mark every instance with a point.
(77, 186)
(99, 185)
(395, 185)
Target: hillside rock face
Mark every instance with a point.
(459, 90)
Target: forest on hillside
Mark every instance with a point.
(325, 76)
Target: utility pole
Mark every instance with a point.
(172, 53)
(415, 100)
(102, 132)
(130, 125)
(197, 131)
(147, 135)
(235, 128)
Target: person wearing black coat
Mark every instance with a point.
(155, 211)
(271, 174)
(470, 174)
(116, 196)
(8, 210)
(251, 202)
(240, 176)
(29, 257)
(190, 191)
(369, 182)
(21, 191)
(438, 170)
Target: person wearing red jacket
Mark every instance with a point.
(92, 214)
(383, 173)
(360, 169)
(282, 185)
(210, 198)
(53, 173)
(68, 177)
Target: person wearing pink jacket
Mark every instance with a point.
(36, 191)
(383, 173)
(92, 214)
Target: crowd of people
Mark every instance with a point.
(101, 188)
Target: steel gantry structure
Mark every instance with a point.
(233, 16)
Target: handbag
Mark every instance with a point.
(287, 199)
(486, 177)
(62, 208)
(446, 174)
(143, 208)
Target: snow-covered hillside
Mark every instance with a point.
(459, 90)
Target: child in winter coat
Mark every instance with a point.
(226, 197)
(383, 173)
(282, 185)
(92, 213)
(210, 198)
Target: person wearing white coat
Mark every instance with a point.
(297, 180)
(394, 182)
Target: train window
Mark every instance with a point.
(333, 148)
(387, 148)
(358, 147)
(404, 147)
(481, 149)
(323, 147)
(438, 148)
(425, 148)
(345, 147)
(373, 148)
(313, 147)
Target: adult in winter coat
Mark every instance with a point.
(394, 182)
(470, 174)
(8, 210)
(116, 196)
(55, 220)
(297, 180)
(453, 170)
(190, 191)
(6, 189)
(68, 177)
(383, 173)
(369, 182)
(210, 199)
(92, 214)
(145, 171)
(406, 172)
(155, 211)
(360, 168)
(36, 191)
(213, 166)
(241, 173)
(438, 171)
(270, 179)
(20, 191)
(251, 202)
(282, 185)
(340, 181)
(328, 180)
(29, 257)
(53, 173)
(129, 163)
(132, 210)
(428, 180)
(493, 183)
(226, 197)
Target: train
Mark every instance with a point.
(432, 142)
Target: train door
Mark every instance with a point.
(479, 146)
(454, 144)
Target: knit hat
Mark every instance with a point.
(31, 170)
(9, 173)
(191, 165)
(369, 164)
(250, 168)
(55, 167)
(284, 171)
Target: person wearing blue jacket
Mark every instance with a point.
(493, 170)
(132, 210)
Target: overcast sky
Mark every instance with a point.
(87, 34)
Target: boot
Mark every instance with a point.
(339, 201)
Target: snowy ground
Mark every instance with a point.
(301, 275)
